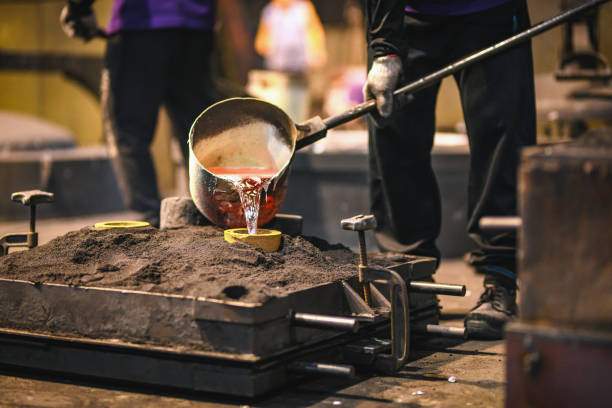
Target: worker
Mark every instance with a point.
(290, 36)
(408, 39)
(291, 40)
(157, 53)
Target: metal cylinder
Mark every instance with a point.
(437, 288)
(500, 224)
(446, 331)
(325, 321)
(340, 370)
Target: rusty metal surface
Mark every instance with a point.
(549, 367)
(565, 261)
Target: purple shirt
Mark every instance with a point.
(153, 14)
(450, 7)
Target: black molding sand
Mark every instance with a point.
(191, 261)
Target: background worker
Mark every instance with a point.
(406, 40)
(158, 53)
(291, 40)
(290, 36)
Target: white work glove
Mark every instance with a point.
(382, 81)
(78, 19)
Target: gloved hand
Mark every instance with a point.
(382, 81)
(78, 19)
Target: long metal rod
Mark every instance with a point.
(340, 370)
(370, 105)
(500, 224)
(437, 288)
(439, 330)
(325, 321)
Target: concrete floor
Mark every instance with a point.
(477, 366)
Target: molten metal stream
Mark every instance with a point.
(250, 182)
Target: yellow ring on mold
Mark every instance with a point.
(268, 240)
(121, 224)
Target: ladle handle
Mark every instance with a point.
(369, 105)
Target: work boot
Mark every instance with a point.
(496, 307)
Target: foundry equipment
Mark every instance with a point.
(28, 239)
(239, 132)
(559, 353)
(228, 346)
(252, 133)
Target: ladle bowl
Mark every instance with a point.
(239, 133)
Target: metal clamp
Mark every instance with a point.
(397, 307)
(29, 239)
(400, 317)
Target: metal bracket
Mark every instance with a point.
(359, 308)
(379, 301)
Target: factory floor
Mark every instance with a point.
(441, 372)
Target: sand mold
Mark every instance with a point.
(192, 261)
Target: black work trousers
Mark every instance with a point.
(146, 69)
(497, 97)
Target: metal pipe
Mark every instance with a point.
(325, 321)
(369, 106)
(446, 331)
(437, 288)
(500, 224)
(340, 370)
